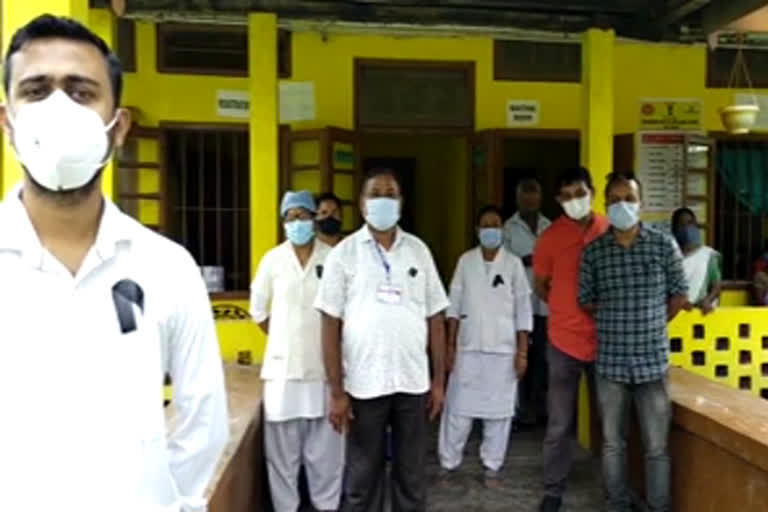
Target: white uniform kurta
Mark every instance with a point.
(83, 424)
(297, 430)
(492, 303)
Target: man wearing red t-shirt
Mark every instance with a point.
(571, 331)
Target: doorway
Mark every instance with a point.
(539, 158)
(432, 173)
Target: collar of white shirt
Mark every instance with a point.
(18, 234)
(542, 222)
(364, 235)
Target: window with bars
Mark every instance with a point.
(208, 198)
(189, 48)
(126, 43)
(529, 61)
(741, 207)
(720, 66)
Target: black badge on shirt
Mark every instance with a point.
(413, 272)
(125, 293)
(497, 280)
(319, 271)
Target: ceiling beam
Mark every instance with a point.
(721, 13)
(680, 10)
(491, 13)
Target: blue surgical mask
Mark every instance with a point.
(382, 213)
(624, 215)
(688, 236)
(490, 238)
(299, 232)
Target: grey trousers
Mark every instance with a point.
(654, 411)
(564, 375)
(366, 440)
(309, 442)
(532, 396)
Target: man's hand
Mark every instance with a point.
(436, 399)
(521, 364)
(341, 413)
(706, 308)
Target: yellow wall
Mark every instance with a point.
(169, 97)
(663, 71)
(329, 64)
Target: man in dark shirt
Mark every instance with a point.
(632, 280)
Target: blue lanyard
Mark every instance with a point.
(384, 261)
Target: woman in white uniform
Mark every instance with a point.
(488, 325)
(296, 431)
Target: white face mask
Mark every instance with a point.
(61, 143)
(579, 207)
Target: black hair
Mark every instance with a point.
(328, 196)
(50, 26)
(679, 213)
(529, 184)
(574, 175)
(375, 172)
(489, 209)
(622, 177)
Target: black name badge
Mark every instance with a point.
(319, 271)
(413, 272)
(498, 280)
(125, 294)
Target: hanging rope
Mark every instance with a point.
(740, 64)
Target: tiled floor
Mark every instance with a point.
(521, 488)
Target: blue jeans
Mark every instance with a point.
(653, 407)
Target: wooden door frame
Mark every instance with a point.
(436, 129)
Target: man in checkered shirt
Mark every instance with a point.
(631, 279)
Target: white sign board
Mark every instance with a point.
(297, 101)
(522, 113)
(233, 104)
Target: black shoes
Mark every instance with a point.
(550, 504)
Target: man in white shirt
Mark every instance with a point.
(488, 325)
(94, 307)
(296, 431)
(382, 303)
(520, 234)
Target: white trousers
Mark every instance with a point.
(309, 442)
(454, 432)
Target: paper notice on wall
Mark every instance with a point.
(660, 160)
(233, 104)
(522, 113)
(297, 101)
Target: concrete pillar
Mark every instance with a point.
(262, 56)
(597, 56)
(13, 15)
(597, 113)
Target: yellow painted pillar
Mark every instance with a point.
(597, 56)
(264, 148)
(597, 107)
(102, 22)
(262, 55)
(14, 14)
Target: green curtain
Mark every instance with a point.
(743, 167)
